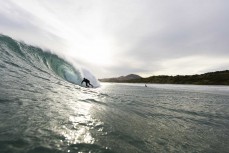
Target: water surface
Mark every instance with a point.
(43, 109)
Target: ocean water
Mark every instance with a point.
(43, 109)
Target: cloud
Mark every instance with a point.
(121, 37)
(179, 30)
(24, 26)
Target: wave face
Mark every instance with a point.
(29, 58)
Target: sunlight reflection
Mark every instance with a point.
(79, 129)
(79, 123)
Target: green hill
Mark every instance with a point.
(211, 78)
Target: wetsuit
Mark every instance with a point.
(87, 82)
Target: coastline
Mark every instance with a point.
(210, 78)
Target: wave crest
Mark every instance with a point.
(43, 61)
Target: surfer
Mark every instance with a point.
(87, 82)
(145, 85)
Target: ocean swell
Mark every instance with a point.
(32, 58)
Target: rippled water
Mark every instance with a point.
(123, 118)
(42, 112)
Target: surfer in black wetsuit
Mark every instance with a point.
(87, 82)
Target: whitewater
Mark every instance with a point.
(45, 109)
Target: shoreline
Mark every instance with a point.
(210, 78)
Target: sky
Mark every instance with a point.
(119, 37)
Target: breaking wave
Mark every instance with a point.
(29, 58)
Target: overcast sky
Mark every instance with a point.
(119, 37)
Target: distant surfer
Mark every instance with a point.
(87, 82)
(145, 85)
